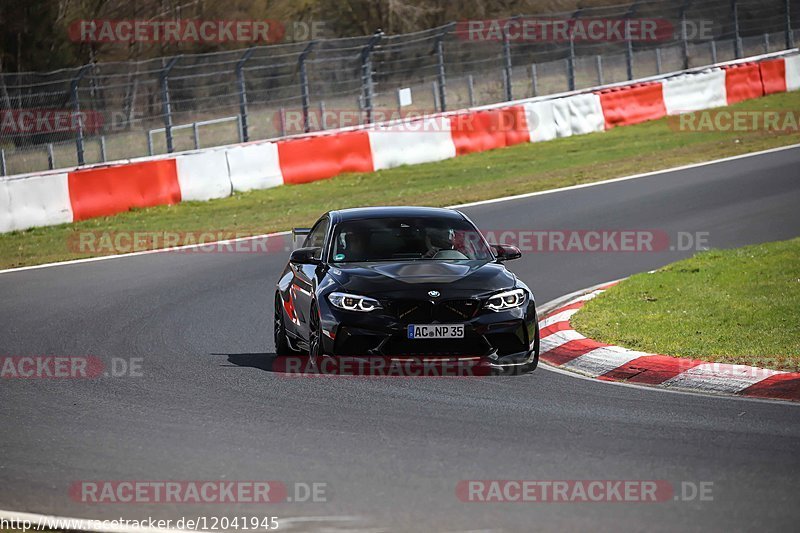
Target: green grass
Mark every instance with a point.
(733, 306)
(518, 169)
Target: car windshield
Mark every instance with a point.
(408, 239)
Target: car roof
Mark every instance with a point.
(361, 213)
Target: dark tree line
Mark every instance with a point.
(35, 34)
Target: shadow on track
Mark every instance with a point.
(373, 366)
(260, 361)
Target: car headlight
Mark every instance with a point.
(353, 302)
(506, 300)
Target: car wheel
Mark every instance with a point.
(315, 351)
(535, 363)
(282, 346)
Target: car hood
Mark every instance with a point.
(448, 277)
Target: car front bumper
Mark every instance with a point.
(502, 339)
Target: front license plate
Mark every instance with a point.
(436, 331)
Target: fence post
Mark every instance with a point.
(196, 133)
(737, 35)
(571, 58)
(51, 159)
(165, 103)
(323, 121)
(534, 80)
(471, 90)
(3, 168)
(571, 65)
(103, 156)
(789, 30)
(507, 66)
(598, 59)
(658, 61)
(442, 78)
(629, 39)
(628, 49)
(243, 93)
(713, 52)
(437, 104)
(367, 88)
(76, 110)
(304, 90)
(684, 33)
(766, 43)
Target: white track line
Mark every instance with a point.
(633, 177)
(459, 206)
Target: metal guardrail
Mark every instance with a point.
(195, 127)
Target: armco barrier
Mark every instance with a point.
(324, 156)
(578, 115)
(203, 175)
(254, 166)
(411, 143)
(743, 82)
(35, 201)
(631, 105)
(478, 131)
(541, 121)
(773, 76)
(105, 191)
(54, 198)
(695, 92)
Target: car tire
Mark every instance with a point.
(315, 349)
(530, 367)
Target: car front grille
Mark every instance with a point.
(425, 312)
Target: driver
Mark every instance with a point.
(357, 246)
(438, 239)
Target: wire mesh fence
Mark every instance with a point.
(121, 110)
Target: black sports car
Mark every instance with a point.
(404, 282)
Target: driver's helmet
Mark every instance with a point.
(442, 238)
(356, 241)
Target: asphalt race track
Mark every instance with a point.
(392, 450)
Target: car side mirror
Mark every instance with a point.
(306, 256)
(506, 252)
